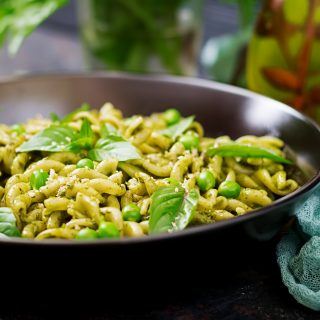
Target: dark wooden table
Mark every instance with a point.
(247, 288)
(253, 290)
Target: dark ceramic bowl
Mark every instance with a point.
(222, 109)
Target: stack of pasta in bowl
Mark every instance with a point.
(94, 174)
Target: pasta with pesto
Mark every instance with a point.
(96, 174)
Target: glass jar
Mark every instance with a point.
(283, 59)
(142, 35)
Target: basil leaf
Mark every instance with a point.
(86, 130)
(107, 130)
(113, 145)
(121, 150)
(8, 223)
(85, 138)
(246, 151)
(54, 139)
(177, 129)
(86, 135)
(69, 117)
(172, 209)
(54, 117)
(104, 142)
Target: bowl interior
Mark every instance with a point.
(222, 109)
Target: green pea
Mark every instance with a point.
(18, 128)
(172, 116)
(108, 230)
(190, 140)
(85, 163)
(206, 180)
(87, 234)
(131, 212)
(229, 189)
(38, 179)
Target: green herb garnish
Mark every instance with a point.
(114, 147)
(172, 208)
(8, 223)
(56, 138)
(177, 129)
(38, 179)
(107, 130)
(59, 137)
(246, 151)
(54, 117)
(85, 139)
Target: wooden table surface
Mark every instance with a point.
(253, 291)
(247, 288)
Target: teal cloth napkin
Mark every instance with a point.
(298, 254)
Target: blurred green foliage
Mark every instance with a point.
(18, 18)
(125, 35)
(224, 57)
(247, 10)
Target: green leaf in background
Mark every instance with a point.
(56, 138)
(172, 209)
(176, 130)
(18, 18)
(246, 11)
(223, 57)
(245, 151)
(8, 223)
(124, 34)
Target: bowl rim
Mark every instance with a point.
(192, 81)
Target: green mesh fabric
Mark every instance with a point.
(299, 255)
(309, 215)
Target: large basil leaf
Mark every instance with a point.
(114, 147)
(246, 151)
(122, 151)
(178, 129)
(56, 138)
(8, 223)
(172, 209)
